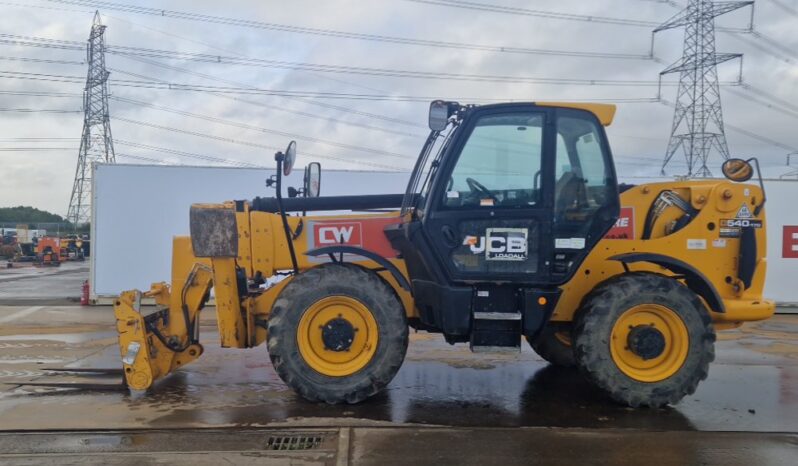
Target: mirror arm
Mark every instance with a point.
(279, 157)
(761, 186)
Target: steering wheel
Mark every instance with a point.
(477, 187)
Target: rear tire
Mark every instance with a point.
(366, 307)
(554, 344)
(645, 339)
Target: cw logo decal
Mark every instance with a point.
(347, 233)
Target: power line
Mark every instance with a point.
(761, 138)
(229, 51)
(666, 2)
(774, 43)
(34, 149)
(549, 14)
(43, 60)
(237, 124)
(41, 93)
(31, 41)
(38, 110)
(37, 139)
(750, 134)
(144, 159)
(752, 43)
(537, 13)
(206, 158)
(759, 101)
(373, 116)
(130, 52)
(12, 39)
(251, 144)
(185, 15)
(276, 92)
(784, 7)
(341, 69)
(770, 96)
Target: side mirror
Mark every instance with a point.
(738, 170)
(438, 115)
(313, 179)
(290, 158)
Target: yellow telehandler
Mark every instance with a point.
(513, 226)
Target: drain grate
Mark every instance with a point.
(294, 442)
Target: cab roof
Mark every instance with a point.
(604, 112)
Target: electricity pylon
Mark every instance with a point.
(698, 120)
(96, 144)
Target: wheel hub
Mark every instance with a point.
(338, 335)
(646, 341)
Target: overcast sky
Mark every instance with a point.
(638, 136)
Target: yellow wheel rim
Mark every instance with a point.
(674, 333)
(354, 315)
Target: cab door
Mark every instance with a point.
(496, 211)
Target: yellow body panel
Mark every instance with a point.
(718, 200)
(230, 319)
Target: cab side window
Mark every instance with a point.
(584, 180)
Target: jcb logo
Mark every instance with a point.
(327, 234)
(500, 244)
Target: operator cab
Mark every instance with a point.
(504, 204)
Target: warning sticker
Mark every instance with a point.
(696, 244)
(744, 212)
(569, 243)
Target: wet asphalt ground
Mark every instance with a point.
(446, 404)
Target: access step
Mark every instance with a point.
(496, 332)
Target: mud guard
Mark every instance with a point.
(332, 250)
(694, 279)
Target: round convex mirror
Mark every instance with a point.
(738, 170)
(313, 180)
(290, 158)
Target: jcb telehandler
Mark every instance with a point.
(513, 226)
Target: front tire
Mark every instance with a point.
(645, 339)
(337, 333)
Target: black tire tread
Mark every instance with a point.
(548, 347)
(315, 284)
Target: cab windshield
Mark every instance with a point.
(499, 165)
